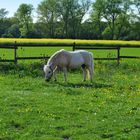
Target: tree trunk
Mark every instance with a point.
(113, 27)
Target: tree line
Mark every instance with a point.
(76, 19)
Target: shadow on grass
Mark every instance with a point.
(85, 85)
(75, 88)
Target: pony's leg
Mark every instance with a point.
(90, 73)
(65, 73)
(54, 74)
(84, 74)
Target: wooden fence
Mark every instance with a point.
(74, 46)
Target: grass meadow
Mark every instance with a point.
(32, 109)
(47, 51)
(8, 41)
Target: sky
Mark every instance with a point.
(12, 5)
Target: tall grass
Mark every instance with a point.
(69, 42)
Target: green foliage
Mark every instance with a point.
(135, 32)
(48, 14)
(12, 32)
(137, 5)
(107, 33)
(117, 15)
(3, 13)
(23, 14)
(75, 19)
(4, 25)
(69, 13)
(96, 16)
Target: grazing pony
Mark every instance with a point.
(69, 60)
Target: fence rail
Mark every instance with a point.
(74, 47)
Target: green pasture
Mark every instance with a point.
(49, 50)
(108, 108)
(32, 109)
(11, 41)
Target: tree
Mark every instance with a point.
(136, 10)
(24, 16)
(3, 13)
(112, 9)
(48, 14)
(77, 12)
(13, 31)
(122, 22)
(96, 16)
(114, 12)
(88, 30)
(72, 13)
(4, 25)
(63, 16)
(4, 22)
(137, 5)
(135, 23)
(122, 26)
(64, 11)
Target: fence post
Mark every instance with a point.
(15, 53)
(118, 55)
(73, 46)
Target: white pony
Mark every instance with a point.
(69, 60)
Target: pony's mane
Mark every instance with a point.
(54, 56)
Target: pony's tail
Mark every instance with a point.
(91, 64)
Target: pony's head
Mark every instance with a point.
(48, 72)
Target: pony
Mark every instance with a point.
(66, 60)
